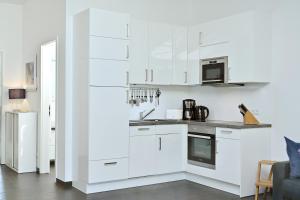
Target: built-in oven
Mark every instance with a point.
(202, 146)
(214, 70)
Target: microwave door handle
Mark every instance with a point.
(198, 136)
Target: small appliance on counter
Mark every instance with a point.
(201, 113)
(249, 118)
(189, 106)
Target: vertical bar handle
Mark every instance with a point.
(127, 96)
(200, 38)
(152, 75)
(127, 30)
(127, 78)
(185, 77)
(146, 80)
(127, 51)
(159, 143)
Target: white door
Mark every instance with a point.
(160, 53)
(139, 72)
(16, 139)
(193, 55)
(109, 24)
(180, 71)
(48, 61)
(9, 128)
(169, 153)
(228, 160)
(108, 73)
(142, 155)
(108, 48)
(108, 123)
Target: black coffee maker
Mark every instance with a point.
(188, 112)
(201, 113)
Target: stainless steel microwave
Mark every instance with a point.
(214, 70)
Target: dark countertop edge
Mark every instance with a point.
(233, 125)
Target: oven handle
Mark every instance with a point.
(198, 136)
(209, 81)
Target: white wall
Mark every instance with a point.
(44, 20)
(286, 70)
(11, 46)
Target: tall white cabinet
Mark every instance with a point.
(101, 111)
(20, 141)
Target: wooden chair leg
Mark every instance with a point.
(257, 193)
(265, 194)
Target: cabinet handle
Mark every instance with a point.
(110, 163)
(127, 51)
(159, 143)
(127, 96)
(185, 77)
(226, 132)
(127, 30)
(146, 80)
(143, 129)
(200, 38)
(151, 75)
(127, 78)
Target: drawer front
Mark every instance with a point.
(108, 170)
(108, 73)
(228, 133)
(142, 130)
(170, 129)
(109, 49)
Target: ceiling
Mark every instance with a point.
(12, 1)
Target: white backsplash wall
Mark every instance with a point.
(171, 98)
(223, 101)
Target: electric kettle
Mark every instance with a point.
(201, 113)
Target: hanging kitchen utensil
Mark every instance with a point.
(157, 95)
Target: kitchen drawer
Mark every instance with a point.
(108, 48)
(228, 133)
(108, 73)
(169, 129)
(108, 170)
(142, 130)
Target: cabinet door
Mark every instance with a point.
(169, 153)
(228, 160)
(108, 48)
(160, 53)
(16, 141)
(109, 24)
(108, 73)
(9, 128)
(139, 72)
(142, 155)
(180, 73)
(108, 123)
(193, 56)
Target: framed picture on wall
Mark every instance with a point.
(31, 76)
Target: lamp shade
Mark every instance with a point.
(16, 93)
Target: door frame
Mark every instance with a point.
(43, 139)
(2, 119)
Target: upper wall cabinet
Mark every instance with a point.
(246, 40)
(158, 54)
(117, 27)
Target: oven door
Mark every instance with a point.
(202, 149)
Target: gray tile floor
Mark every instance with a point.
(43, 187)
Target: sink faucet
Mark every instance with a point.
(142, 116)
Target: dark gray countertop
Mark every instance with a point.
(212, 123)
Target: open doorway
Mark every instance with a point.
(47, 138)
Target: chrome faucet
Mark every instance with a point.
(142, 116)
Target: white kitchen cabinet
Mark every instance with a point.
(108, 73)
(228, 160)
(181, 75)
(245, 38)
(111, 49)
(139, 67)
(169, 156)
(155, 150)
(20, 141)
(101, 110)
(160, 53)
(142, 157)
(117, 27)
